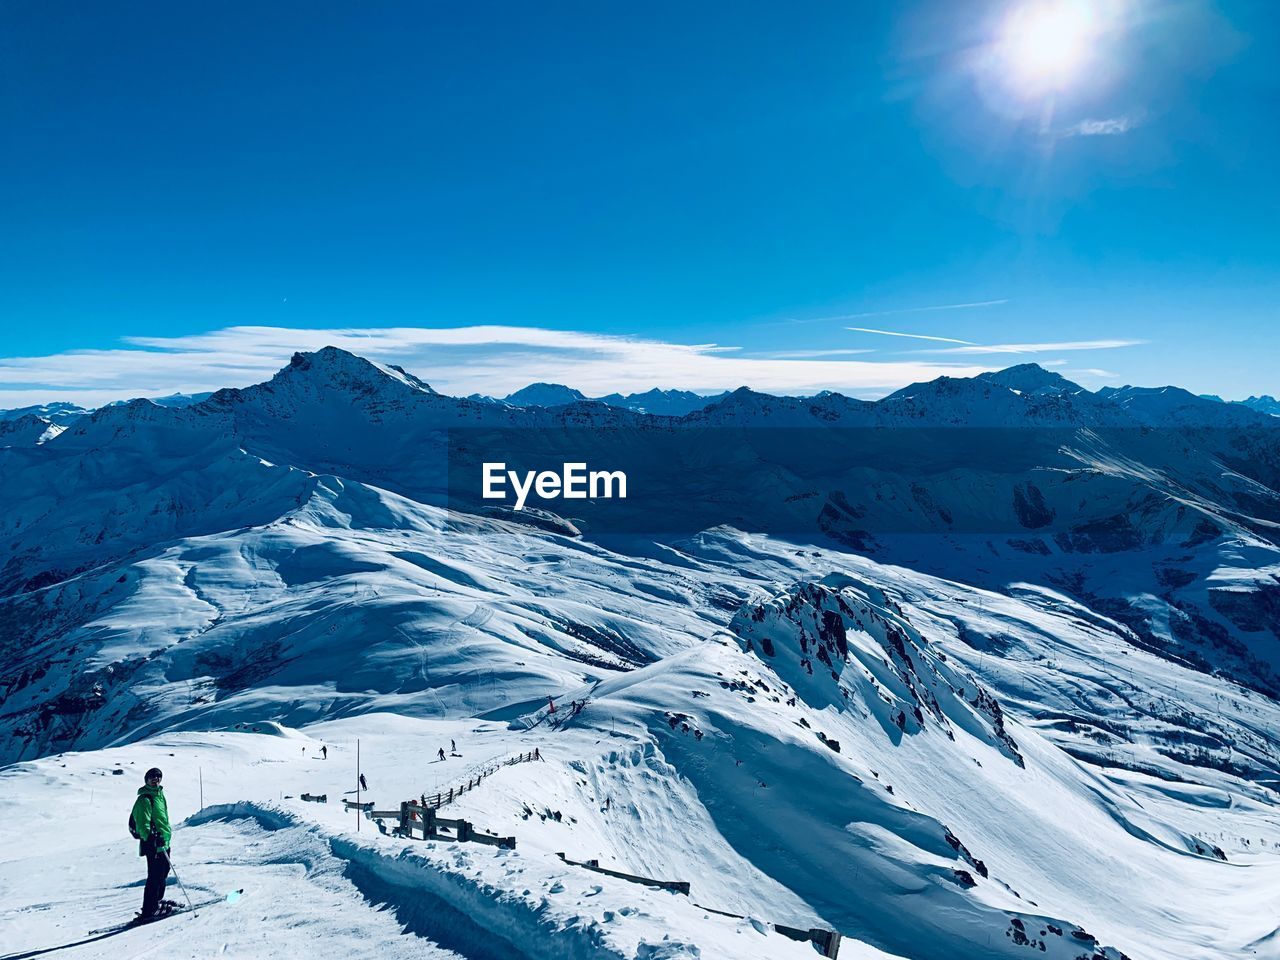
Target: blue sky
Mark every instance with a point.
(595, 192)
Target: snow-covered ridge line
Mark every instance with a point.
(523, 926)
(1026, 385)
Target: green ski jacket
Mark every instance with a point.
(151, 817)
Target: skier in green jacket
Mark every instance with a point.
(149, 822)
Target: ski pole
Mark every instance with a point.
(169, 860)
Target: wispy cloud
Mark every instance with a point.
(493, 359)
(802, 354)
(993, 348)
(910, 336)
(975, 305)
(1108, 127)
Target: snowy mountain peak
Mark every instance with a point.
(334, 367)
(59, 412)
(329, 372)
(1031, 378)
(668, 403)
(27, 431)
(940, 387)
(743, 398)
(1263, 404)
(545, 395)
(171, 400)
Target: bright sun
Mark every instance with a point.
(1046, 43)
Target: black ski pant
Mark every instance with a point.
(157, 871)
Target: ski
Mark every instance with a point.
(231, 897)
(104, 932)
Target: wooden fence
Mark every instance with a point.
(475, 778)
(676, 886)
(419, 817)
(827, 942)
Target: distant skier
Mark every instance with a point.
(442, 753)
(453, 746)
(149, 822)
(324, 752)
(364, 784)
(551, 705)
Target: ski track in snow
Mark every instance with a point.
(296, 896)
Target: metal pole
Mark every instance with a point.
(357, 784)
(201, 788)
(180, 883)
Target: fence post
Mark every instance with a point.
(404, 818)
(828, 941)
(428, 823)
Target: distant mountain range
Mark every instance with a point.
(1043, 475)
(1263, 404)
(60, 413)
(669, 403)
(1158, 404)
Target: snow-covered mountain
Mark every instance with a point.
(983, 668)
(60, 413)
(1263, 404)
(27, 430)
(1170, 528)
(177, 399)
(544, 395)
(666, 403)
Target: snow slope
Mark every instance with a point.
(313, 885)
(962, 741)
(1025, 734)
(27, 430)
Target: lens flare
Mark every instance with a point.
(1046, 44)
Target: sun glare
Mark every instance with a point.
(1047, 43)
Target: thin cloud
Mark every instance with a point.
(1092, 372)
(991, 348)
(492, 359)
(802, 354)
(975, 305)
(910, 336)
(1109, 127)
